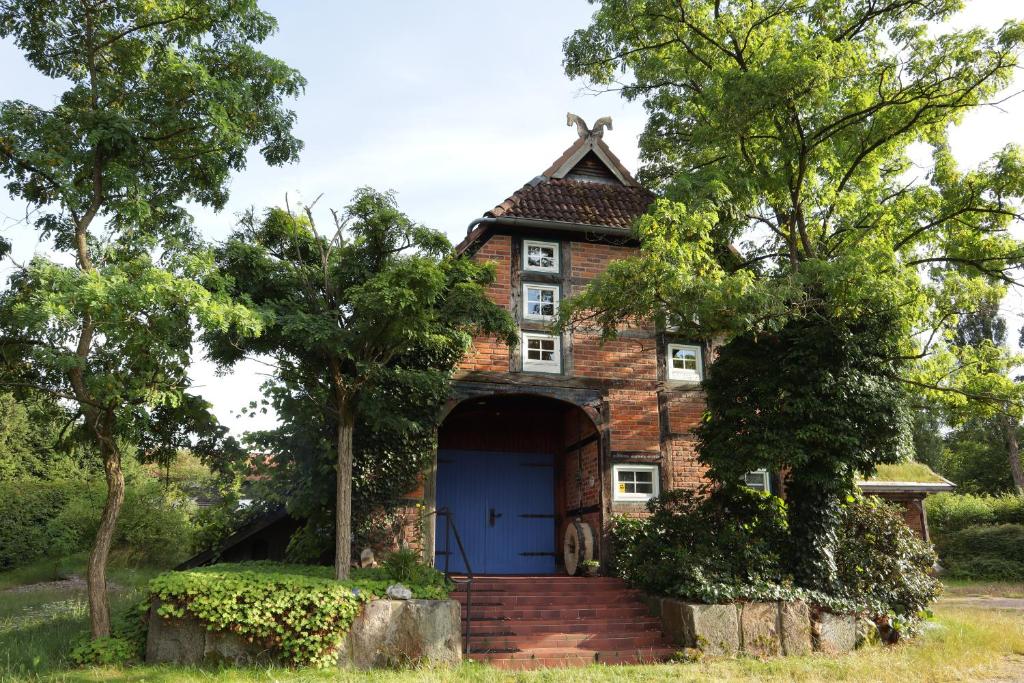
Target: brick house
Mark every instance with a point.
(544, 443)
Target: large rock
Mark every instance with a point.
(391, 633)
(386, 633)
(837, 633)
(759, 628)
(188, 641)
(795, 624)
(712, 628)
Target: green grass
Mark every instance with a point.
(38, 629)
(958, 588)
(906, 471)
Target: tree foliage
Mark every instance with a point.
(788, 128)
(366, 324)
(162, 102)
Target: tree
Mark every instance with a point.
(787, 127)
(163, 102)
(375, 307)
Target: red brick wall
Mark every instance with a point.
(488, 353)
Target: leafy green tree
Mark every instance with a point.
(376, 308)
(786, 127)
(37, 440)
(163, 101)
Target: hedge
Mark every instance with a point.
(950, 512)
(43, 519)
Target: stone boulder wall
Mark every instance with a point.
(386, 633)
(395, 633)
(756, 628)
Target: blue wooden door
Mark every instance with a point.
(503, 505)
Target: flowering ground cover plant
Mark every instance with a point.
(301, 612)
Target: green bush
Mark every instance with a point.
(27, 508)
(694, 546)
(57, 518)
(992, 552)
(298, 611)
(985, 568)
(104, 652)
(881, 561)
(950, 512)
(726, 547)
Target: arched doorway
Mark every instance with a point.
(513, 469)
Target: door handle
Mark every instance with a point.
(494, 516)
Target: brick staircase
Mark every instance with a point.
(524, 622)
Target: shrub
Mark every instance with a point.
(57, 518)
(985, 568)
(950, 512)
(694, 546)
(301, 612)
(726, 547)
(881, 562)
(104, 652)
(26, 508)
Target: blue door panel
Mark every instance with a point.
(503, 505)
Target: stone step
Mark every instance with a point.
(580, 641)
(526, 627)
(492, 599)
(565, 613)
(563, 657)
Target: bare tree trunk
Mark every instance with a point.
(343, 506)
(96, 576)
(1013, 452)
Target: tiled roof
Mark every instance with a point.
(576, 201)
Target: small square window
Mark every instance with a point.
(542, 352)
(758, 480)
(540, 256)
(540, 302)
(684, 362)
(635, 482)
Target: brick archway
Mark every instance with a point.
(507, 424)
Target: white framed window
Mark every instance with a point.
(542, 352)
(540, 302)
(684, 362)
(635, 482)
(759, 480)
(540, 256)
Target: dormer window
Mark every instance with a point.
(541, 257)
(684, 363)
(540, 302)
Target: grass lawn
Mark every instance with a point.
(986, 589)
(38, 627)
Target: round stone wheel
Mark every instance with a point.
(577, 546)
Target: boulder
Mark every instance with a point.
(174, 641)
(836, 633)
(391, 633)
(795, 624)
(188, 641)
(397, 591)
(759, 629)
(712, 628)
(386, 633)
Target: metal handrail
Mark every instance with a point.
(449, 529)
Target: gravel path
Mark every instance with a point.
(72, 583)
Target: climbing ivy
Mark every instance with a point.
(300, 612)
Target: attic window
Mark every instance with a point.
(540, 256)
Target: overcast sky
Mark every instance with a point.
(453, 105)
